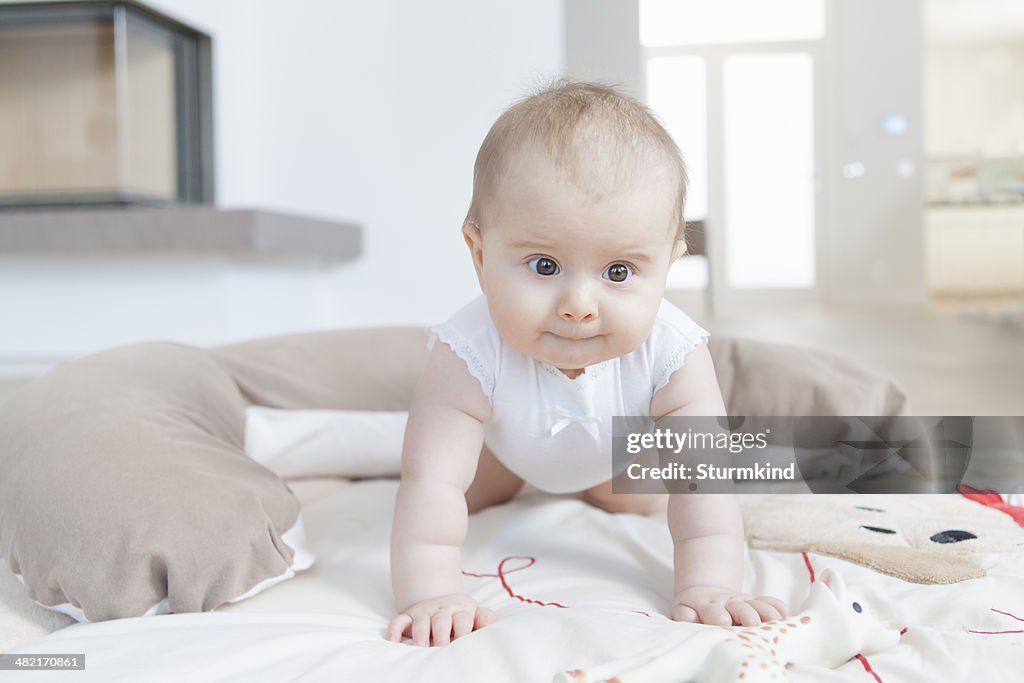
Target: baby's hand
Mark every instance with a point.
(445, 618)
(723, 607)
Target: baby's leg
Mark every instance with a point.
(639, 503)
(493, 484)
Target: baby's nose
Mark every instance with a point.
(577, 317)
(577, 305)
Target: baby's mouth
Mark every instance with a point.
(575, 336)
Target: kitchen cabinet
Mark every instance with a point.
(975, 249)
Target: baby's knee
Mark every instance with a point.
(493, 484)
(480, 497)
(635, 503)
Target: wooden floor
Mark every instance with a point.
(7, 387)
(950, 363)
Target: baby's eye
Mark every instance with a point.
(618, 272)
(544, 266)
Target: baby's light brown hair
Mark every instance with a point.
(597, 138)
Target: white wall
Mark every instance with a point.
(874, 246)
(603, 43)
(363, 111)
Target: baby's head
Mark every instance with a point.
(577, 214)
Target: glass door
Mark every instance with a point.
(737, 86)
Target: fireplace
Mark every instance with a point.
(103, 103)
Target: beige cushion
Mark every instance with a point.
(124, 479)
(123, 484)
(762, 378)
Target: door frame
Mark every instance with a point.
(720, 297)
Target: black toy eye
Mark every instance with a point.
(861, 507)
(544, 266)
(952, 536)
(880, 530)
(857, 608)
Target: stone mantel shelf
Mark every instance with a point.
(182, 230)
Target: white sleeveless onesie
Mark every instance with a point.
(552, 431)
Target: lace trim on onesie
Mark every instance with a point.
(472, 338)
(674, 336)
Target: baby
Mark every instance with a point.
(576, 216)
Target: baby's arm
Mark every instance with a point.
(443, 439)
(707, 529)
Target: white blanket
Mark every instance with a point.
(612, 573)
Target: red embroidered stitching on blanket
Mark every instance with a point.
(504, 583)
(996, 633)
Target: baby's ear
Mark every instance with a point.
(678, 249)
(475, 242)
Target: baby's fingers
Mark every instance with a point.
(743, 613)
(684, 613)
(441, 627)
(781, 607)
(714, 615)
(462, 624)
(484, 616)
(397, 627)
(421, 630)
(766, 610)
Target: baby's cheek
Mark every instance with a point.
(516, 320)
(634, 320)
(519, 309)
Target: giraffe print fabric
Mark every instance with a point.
(831, 628)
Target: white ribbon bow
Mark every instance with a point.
(567, 417)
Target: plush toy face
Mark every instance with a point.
(920, 538)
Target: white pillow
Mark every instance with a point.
(311, 443)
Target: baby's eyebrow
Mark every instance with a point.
(529, 244)
(630, 253)
(635, 256)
